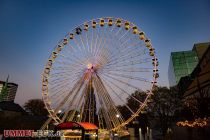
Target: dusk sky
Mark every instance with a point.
(30, 29)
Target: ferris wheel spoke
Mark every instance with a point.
(58, 97)
(130, 85)
(129, 70)
(55, 85)
(83, 44)
(84, 103)
(126, 58)
(82, 108)
(127, 77)
(66, 77)
(106, 94)
(129, 63)
(60, 68)
(103, 53)
(103, 41)
(62, 103)
(124, 102)
(122, 51)
(64, 74)
(124, 34)
(117, 32)
(75, 58)
(67, 69)
(111, 29)
(105, 114)
(96, 41)
(101, 44)
(77, 44)
(77, 61)
(104, 99)
(123, 91)
(108, 111)
(82, 51)
(79, 119)
(102, 58)
(127, 51)
(60, 87)
(113, 107)
(109, 40)
(71, 102)
(112, 43)
(58, 77)
(87, 42)
(103, 107)
(68, 64)
(93, 41)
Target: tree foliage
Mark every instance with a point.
(197, 105)
(35, 107)
(162, 106)
(165, 105)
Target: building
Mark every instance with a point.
(197, 84)
(181, 64)
(200, 49)
(199, 79)
(184, 62)
(7, 91)
(10, 109)
(10, 113)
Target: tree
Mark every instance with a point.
(161, 108)
(35, 107)
(133, 104)
(166, 102)
(197, 104)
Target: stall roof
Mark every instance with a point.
(77, 125)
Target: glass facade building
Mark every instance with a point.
(181, 64)
(7, 91)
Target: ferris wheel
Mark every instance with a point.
(95, 69)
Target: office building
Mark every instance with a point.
(181, 64)
(184, 62)
(7, 91)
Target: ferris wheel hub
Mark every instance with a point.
(89, 66)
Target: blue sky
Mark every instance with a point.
(29, 30)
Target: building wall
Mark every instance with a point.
(11, 91)
(181, 64)
(10, 114)
(171, 74)
(201, 48)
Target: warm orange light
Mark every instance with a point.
(89, 66)
(196, 123)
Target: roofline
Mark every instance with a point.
(9, 83)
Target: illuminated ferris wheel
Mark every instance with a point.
(94, 69)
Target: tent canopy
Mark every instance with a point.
(76, 125)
